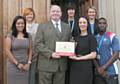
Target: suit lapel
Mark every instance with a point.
(54, 30)
(63, 29)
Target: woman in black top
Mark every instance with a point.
(81, 65)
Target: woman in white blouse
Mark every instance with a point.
(32, 27)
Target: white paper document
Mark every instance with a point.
(65, 48)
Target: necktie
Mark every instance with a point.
(57, 28)
(58, 31)
(71, 22)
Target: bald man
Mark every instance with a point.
(51, 66)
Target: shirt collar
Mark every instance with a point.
(54, 22)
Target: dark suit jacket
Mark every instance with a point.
(75, 31)
(45, 45)
(96, 30)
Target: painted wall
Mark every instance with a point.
(110, 10)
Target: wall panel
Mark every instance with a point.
(1, 43)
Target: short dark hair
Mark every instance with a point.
(102, 18)
(71, 6)
(14, 29)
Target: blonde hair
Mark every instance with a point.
(92, 7)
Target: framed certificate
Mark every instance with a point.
(65, 48)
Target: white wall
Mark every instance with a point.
(110, 9)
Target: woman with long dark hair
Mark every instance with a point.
(19, 52)
(81, 65)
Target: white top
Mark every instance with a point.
(32, 29)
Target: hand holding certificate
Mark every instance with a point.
(65, 48)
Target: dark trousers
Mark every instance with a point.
(98, 79)
(113, 80)
(67, 74)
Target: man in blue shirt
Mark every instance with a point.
(108, 52)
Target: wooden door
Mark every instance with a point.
(84, 4)
(1, 43)
(16, 7)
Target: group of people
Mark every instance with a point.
(30, 48)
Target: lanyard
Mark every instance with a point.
(100, 42)
(73, 23)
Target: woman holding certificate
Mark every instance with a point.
(81, 65)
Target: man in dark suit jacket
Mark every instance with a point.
(51, 66)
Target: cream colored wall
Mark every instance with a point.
(110, 10)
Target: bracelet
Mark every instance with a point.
(29, 62)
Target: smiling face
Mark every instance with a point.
(20, 25)
(102, 24)
(55, 13)
(29, 14)
(91, 13)
(83, 24)
(30, 17)
(71, 12)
